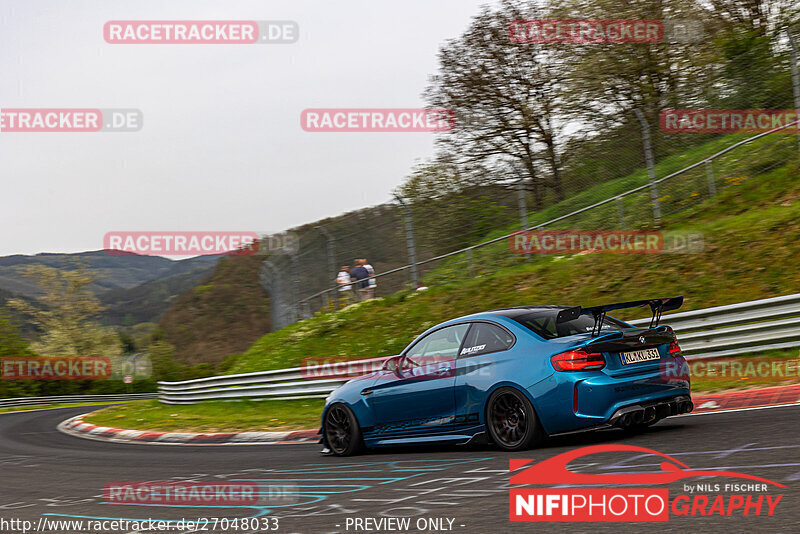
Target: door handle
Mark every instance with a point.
(442, 371)
(366, 392)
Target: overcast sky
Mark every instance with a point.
(221, 147)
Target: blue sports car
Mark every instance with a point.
(515, 376)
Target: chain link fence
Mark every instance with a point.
(626, 172)
(302, 284)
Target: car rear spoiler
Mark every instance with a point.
(657, 308)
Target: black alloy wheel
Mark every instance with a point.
(511, 420)
(342, 433)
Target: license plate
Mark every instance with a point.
(639, 356)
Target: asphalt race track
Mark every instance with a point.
(48, 474)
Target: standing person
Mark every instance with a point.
(373, 284)
(359, 276)
(343, 279)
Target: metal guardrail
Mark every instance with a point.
(72, 399)
(754, 326)
(281, 384)
(720, 331)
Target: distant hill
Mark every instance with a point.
(146, 302)
(115, 271)
(134, 289)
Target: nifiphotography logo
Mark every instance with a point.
(622, 503)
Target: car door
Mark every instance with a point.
(479, 367)
(417, 396)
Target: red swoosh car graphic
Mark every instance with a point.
(554, 470)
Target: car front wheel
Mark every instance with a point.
(342, 433)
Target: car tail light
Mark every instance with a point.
(577, 360)
(674, 348)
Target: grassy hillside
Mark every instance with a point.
(769, 161)
(752, 248)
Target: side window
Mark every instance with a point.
(484, 338)
(439, 346)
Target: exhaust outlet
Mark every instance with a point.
(649, 414)
(625, 420)
(687, 407)
(636, 417)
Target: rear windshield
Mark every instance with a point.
(543, 323)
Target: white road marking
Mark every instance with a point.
(742, 409)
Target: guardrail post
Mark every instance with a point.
(412, 249)
(650, 160)
(331, 257)
(523, 207)
(295, 308)
(795, 80)
(270, 278)
(712, 186)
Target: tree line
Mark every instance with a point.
(562, 117)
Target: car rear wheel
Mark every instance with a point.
(342, 433)
(511, 421)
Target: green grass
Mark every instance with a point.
(212, 416)
(49, 407)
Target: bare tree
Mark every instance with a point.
(505, 96)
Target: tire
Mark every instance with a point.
(342, 433)
(511, 420)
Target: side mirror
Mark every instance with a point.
(392, 363)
